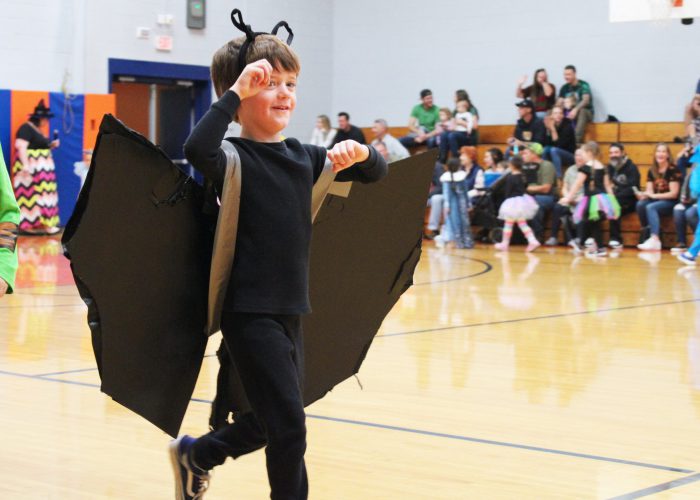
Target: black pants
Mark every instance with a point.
(627, 206)
(591, 228)
(269, 354)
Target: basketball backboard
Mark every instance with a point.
(653, 10)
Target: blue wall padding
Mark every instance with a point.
(5, 124)
(68, 120)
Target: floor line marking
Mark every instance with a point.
(676, 483)
(424, 433)
(537, 318)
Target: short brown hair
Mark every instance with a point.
(224, 64)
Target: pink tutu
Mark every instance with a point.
(518, 207)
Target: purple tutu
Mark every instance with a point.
(518, 207)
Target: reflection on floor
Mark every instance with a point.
(498, 375)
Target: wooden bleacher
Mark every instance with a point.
(640, 140)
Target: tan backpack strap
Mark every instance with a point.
(224, 238)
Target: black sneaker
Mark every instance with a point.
(191, 482)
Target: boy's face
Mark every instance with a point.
(268, 112)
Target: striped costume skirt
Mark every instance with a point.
(591, 207)
(36, 192)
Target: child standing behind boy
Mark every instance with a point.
(268, 288)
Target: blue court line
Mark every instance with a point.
(458, 437)
(65, 372)
(659, 488)
(536, 318)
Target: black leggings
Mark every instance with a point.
(592, 228)
(268, 352)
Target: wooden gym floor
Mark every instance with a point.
(497, 376)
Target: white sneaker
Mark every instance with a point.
(650, 244)
(575, 246)
(551, 242)
(589, 243)
(614, 244)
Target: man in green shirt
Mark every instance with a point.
(9, 220)
(424, 117)
(582, 113)
(541, 178)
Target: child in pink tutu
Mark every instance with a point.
(518, 207)
(598, 200)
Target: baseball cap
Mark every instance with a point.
(525, 103)
(536, 148)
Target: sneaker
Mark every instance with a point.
(430, 235)
(615, 244)
(679, 248)
(191, 482)
(686, 259)
(601, 252)
(575, 245)
(501, 247)
(551, 242)
(532, 246)
(589, 242)
(650, 244)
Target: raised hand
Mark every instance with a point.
(346, 153)
(254, 78)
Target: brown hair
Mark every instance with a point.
(224, 64)
(655, 164)
(447, 111)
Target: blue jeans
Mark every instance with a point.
(650, 212)
(684, 216)
(452, 141)
(409, 141)
(546, 202)
(559, 157)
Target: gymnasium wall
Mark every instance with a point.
(385, 52)
(371, 58)
(43, 42)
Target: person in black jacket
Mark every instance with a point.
(347, 131)
(528, 128)
(561, 141)
(624, 175)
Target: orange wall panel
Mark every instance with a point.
(96, 106)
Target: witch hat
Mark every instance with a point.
(41, 111)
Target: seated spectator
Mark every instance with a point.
(323, 134)
(443, 127)
(381, 149)
(528, 129)
(685, 213)
(395, 150)
(347, 131)
(692, 120)
(463, 95)
(462, 129)
(492, 157)
(563, 211)
(560, 143)
(541, 178)
(660, 196)
(624, 176)
(436, 203)
(582, 113)
(421, 123)
(540, 92)
(474, 180)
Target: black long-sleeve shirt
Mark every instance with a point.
(624, 178)
(271, 264)
(532, 131)
(566, 137)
